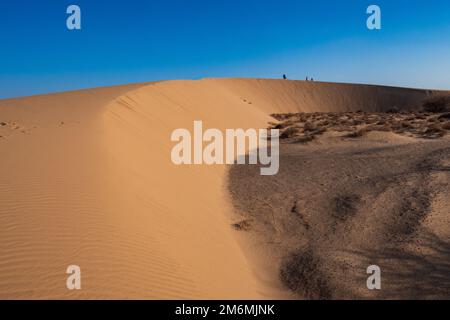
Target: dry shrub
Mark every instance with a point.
(433, 131)
(444, 116)
(446, 126)
(308, 126)
(406, 124)
(437, 104)
(289, 133)
(279, 126)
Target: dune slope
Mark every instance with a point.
(333, 210)
(86, 179)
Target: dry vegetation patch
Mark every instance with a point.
(305, 127)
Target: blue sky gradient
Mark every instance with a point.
(133, 41)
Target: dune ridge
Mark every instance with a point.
(86, 179)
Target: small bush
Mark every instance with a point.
(433, 131)
(308, 126)
(437, 104)
(279, 126)
(289, 133)
(244, 225)
(323, 123)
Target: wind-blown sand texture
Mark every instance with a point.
(86, 179)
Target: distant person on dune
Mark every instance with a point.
(284, 77)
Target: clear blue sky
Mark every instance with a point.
(133, 41)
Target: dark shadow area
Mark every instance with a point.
(408, 274)
(332, 211)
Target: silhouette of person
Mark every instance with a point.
(284, 77)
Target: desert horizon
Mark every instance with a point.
(218, 78)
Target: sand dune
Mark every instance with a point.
(86, 179)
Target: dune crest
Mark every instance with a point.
(86, 179)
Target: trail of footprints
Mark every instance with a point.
(10, 128)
